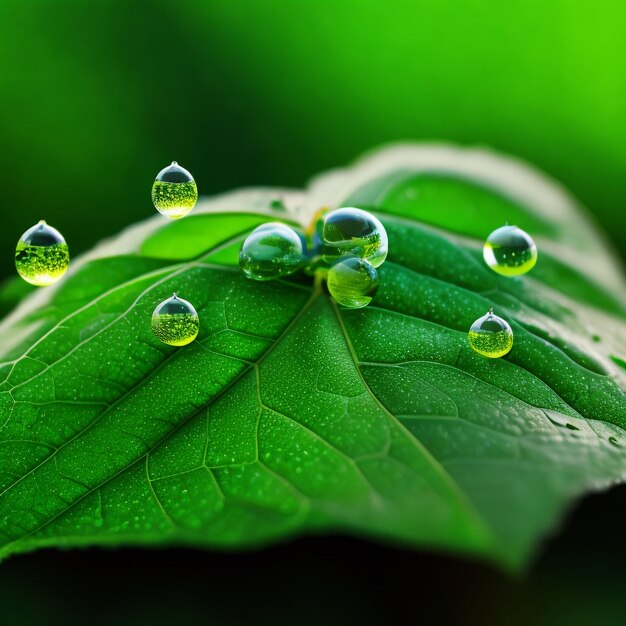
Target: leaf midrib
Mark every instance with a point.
(315, 294)
(443, 473)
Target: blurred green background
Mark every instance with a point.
(96, 96)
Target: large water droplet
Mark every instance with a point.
(270, 251)
(350, 231)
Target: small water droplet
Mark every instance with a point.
(614, 441)
(510, 251)
(353, 282)
(174, 192)
(175, 322)
(491, 336)
(42, 255)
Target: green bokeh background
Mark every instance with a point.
(96, 96)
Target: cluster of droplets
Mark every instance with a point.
(345, 245)
(508, 251)
(42, 255)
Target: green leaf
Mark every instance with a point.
(289, 415)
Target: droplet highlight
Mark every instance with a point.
(353, 282)
(42, 255)
(175, 322)
(174, 192)
(490, 336)
(350, 231)
(510, 251)
(270, 251)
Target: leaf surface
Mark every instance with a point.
(291, 415)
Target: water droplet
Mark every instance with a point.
(270, 251)
(355, 232)
(174, 192)
(353, 282)
(614, 441)
(510, 251)
(490, 336)
(175, 322)
(41, 255)
(596, 338)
